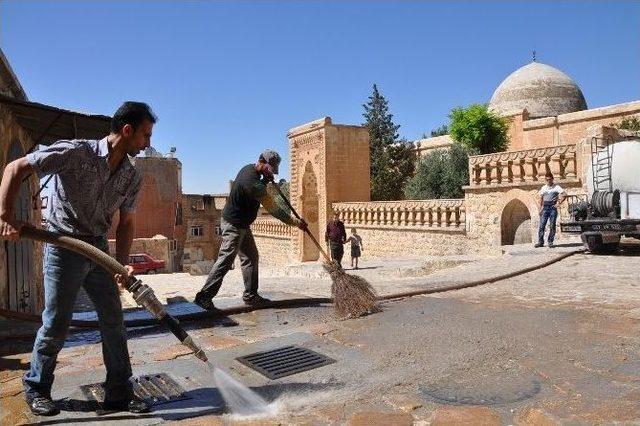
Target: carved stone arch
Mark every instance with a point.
(518, 208)
(310, 211)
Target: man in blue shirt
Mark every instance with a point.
(91, 180)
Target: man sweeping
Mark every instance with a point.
(248, 191)
(91, 180)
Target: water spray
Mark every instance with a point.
(142, 293)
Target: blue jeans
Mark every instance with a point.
(549, 213)
(64, 272)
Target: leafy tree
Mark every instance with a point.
(479, 129)
(628, 123)
(440, 131)
(392, 160)
(440, 174)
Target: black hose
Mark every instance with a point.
(293, 303)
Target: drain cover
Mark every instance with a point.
(284, 361)
(154, 389)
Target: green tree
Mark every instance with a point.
(440, 131)
(479, 129)
(628, 123)
(392, 160)
(440, 174)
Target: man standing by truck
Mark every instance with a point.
(550, 197)
(91, 180)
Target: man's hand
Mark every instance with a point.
(302, 224)
(10, 229)
(121, 279)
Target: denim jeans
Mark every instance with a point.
(234, 241)
(64, 272)
(549, 213)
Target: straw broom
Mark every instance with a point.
(352, 295)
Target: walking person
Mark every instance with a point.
(550, 196)
(248, 191)
(356, 247)
(91, 180)
(336, 236)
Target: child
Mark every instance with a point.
(356, 247)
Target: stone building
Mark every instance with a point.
(202, 215)
(23, 126)
(550, 129)
(159, 221)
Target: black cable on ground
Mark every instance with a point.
(293, 303)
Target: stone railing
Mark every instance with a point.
(270, 227)
(518, 167)
(407, 214)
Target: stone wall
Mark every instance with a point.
(565, 129)
(274, 241)
(488, 212)
(427, 145)
(407, 228)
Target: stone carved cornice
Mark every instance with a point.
(528, 153)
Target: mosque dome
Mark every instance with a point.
(544, 91)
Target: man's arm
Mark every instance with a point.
(267, 201)
(562, 195)
(12, 177)
(124, 236)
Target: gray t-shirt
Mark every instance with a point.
(84, 193)
(550, 194)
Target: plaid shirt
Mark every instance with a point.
(85, 194)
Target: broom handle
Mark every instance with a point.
(295, 213)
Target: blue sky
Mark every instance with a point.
(229, 79)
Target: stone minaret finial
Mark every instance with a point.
(534, 55)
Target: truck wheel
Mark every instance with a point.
(151, 271)
(595, 245)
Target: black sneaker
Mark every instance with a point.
(551, 245)
(133, 405)
(539, 245)
(205, 303)
(255, 300)
(42, 406)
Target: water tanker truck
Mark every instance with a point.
(612, 209)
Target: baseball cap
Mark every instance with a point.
(272, 158)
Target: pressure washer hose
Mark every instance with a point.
(115, 267)
(142, 293)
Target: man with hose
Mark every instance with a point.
(248, 191)
(91, 180)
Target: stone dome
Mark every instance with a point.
(541, 89)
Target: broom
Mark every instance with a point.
(352, 295)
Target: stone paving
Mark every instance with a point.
(555, 346)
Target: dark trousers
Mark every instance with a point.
(337, 251)
(234, 241)
(550, 214)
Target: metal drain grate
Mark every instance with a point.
(154, 389)
(284, 361)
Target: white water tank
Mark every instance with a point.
(625, 176)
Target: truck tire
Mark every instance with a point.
(151, 271)
(595, 245)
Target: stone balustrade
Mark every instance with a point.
(521, 167)
(270, 227)
(406, 214)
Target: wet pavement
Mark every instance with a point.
(555, 346)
